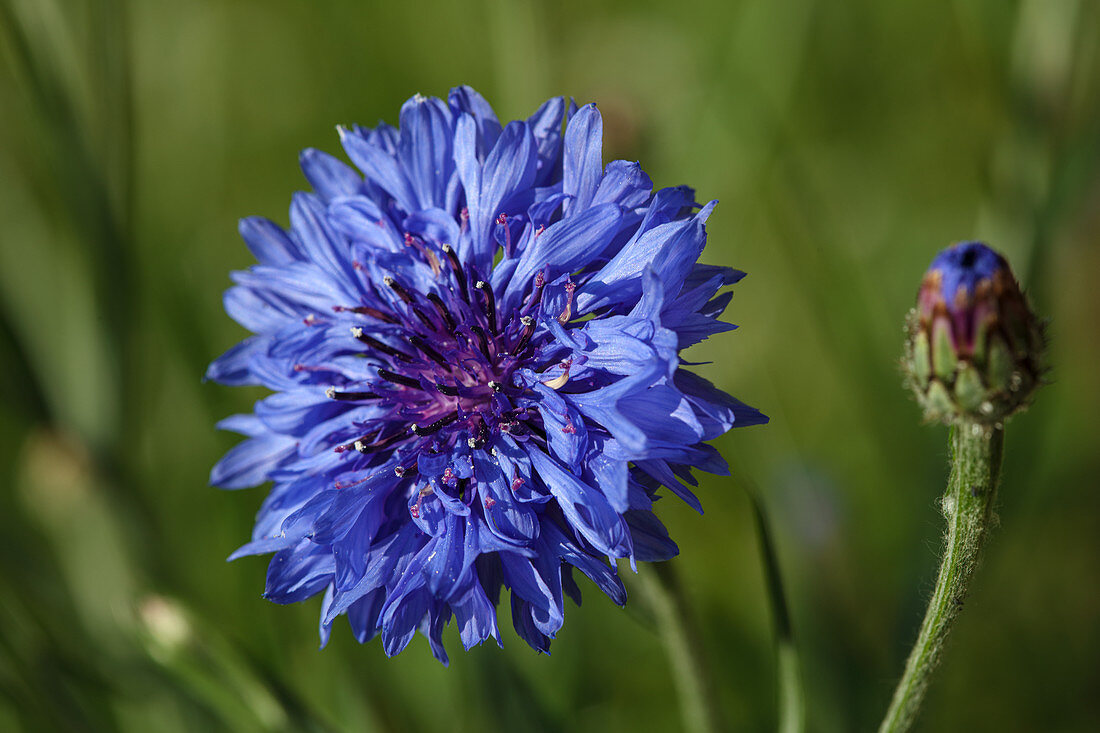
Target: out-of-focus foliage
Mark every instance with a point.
(847, 142)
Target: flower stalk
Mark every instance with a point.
(976, 452)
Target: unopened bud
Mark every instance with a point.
(974, 348)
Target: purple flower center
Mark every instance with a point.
(445, 360)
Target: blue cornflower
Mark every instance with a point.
(473, 348)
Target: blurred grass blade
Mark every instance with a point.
(679, 632)
(791, 717)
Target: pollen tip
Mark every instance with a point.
(527, 320)
(471, 442)
(360, 446)
(330, 393)
(356, 332)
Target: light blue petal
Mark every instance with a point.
(583, 158)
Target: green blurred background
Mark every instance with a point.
(847, 142)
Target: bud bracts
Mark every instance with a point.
(974, 346)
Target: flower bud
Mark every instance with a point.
(974, 346)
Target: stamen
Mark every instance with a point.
(567, 313)
(447, 389)
(490, 303)
(495, 386)
(456, 268)
(398, 288)
(428, 351)
(559, 381)
(404, 381)
(363, 447)
(435, 426)
(425, 253)
(332, 394)
(367, 311)
(380, 346)
(482, 341)
(502, 220)
(536, 294)
(525, 338)
(443, 312)
(423, 317)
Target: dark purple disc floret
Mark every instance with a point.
(473, 347)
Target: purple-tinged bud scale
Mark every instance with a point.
(974, 349)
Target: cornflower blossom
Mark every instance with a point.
(473, 345)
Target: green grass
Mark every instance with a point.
(847, 143)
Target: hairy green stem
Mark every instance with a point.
(968, 506)
(698, 705)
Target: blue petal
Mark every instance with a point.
(321, 242)
(424, 149)
(302, 284)
(625, 184)
(542, 594)
(505, 516)
(546, 128)
(586, 508)
(380, 168)
(566, 246)
(659, 469)
(249, 462)
(363, 615)
(475, 616)
(566, 431)
(255, 312)
(464, 100)
(670, 249)
(293, 413)
(268, 242)
(583, 158)
(298, 573)
(604, 576)
(360, 219)
(718, 411)
(509, 169)
(232, 367)
(444, 568)
(651, 540)
(328, 176)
